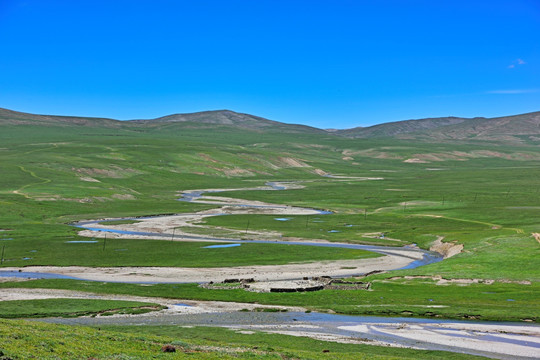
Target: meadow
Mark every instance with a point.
(24, 340)
(483, 195)
(42, 308)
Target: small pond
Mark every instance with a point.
(221, 246)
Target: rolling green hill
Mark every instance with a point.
(483, 195)
(517, 129)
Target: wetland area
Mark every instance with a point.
(305, 253)
(493, 339)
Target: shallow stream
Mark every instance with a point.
(492, 339)
(497, 340)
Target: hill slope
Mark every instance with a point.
(399, 127)
(205, 119)
(10, 117)
(226, 118)
(514, 128)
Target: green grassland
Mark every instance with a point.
(482, 195)
(416, 297)
(26, 340)
(72, 307)
(122, 252)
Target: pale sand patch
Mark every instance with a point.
(512, 340)
(442, 281)
(418, 203)
(337, 268)
(323, 336)
(88, 178)
(379, 235)
(123, 197)
(260, 205)
(11, 279)
(465, 281)
(293, 162)
(286, 186)
(320, 172)
(237, 172)
(360, 178)
(446, 249)
(415, 161)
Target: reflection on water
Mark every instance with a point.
(221, 246)
(81, 242)
(34, 275)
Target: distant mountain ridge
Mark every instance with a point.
(515, 128)
(228, 118)
(508, 128)
(400, 127)
(11, 117)
(199, 119)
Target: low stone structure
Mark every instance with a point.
(304, 285)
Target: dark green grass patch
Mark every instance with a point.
(71, 307)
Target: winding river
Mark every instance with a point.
(407, 257)
(497, 340)
(419, 257)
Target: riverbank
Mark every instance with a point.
(154, 274)
(498, 340)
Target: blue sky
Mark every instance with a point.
(330, 64)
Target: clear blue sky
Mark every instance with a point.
(330, 64)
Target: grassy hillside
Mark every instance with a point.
(483, 195)
(516, 129)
